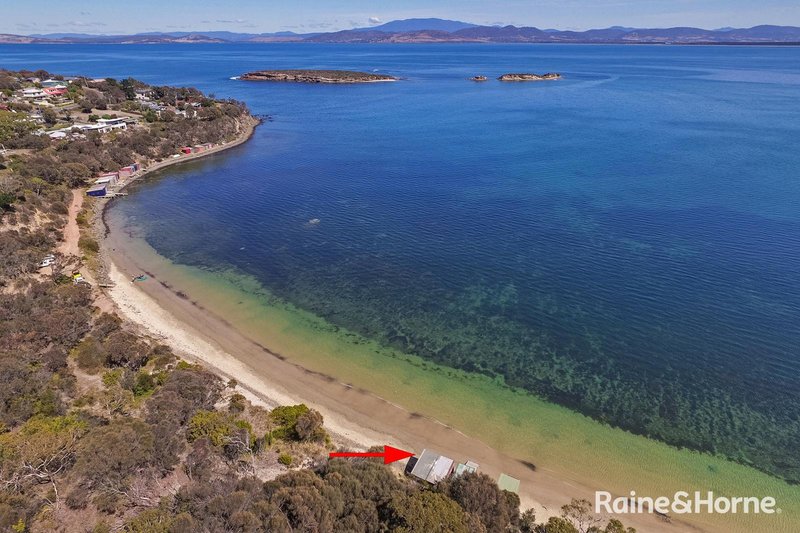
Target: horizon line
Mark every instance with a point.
(257, 32)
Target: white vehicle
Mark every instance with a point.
(47, 263)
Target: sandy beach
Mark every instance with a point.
(355, 417)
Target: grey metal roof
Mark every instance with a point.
(432, 467)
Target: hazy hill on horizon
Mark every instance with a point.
(443, 30)
(419, 24)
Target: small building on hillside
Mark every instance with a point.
(432, 467)
(98, 190)
(33, 92)
(104, 125)
(55, 91)
(109, 178)
(143, 93)
(186, 150)
(127, 172)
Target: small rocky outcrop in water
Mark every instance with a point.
(316, 76)
(530, 77)
(479, 78)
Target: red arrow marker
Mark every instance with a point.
(389, 454)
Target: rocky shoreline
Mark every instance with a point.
(315, 76)
(530, 77)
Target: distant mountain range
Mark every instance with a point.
(434, 30)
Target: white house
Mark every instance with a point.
(33, 92)
(109, 124)
(104, 125)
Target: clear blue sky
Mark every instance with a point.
(126, 16)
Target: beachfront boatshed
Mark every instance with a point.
(98, 190)
(508, 483)
(127, 172)
(186, 150)
(109, 178)
(432, 467)
(468, 467)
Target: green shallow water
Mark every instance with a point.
(509, 420)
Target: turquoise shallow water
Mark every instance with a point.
(623, 241)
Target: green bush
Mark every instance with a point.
(62, 279)
(185, 365)
(6, 199)
(88, 245)
(89, 354)
(155, 520)
(237, 403)
(144, 383)
(209, 424)
(82, 218)
(285, 459)
(112, 377)
(285, 418)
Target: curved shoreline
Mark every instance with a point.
(249, 128)
(356, 416)
(198, 334)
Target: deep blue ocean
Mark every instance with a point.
(624, 241)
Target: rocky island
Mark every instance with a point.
(316, 76)
(478, 78)
(530, 77)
